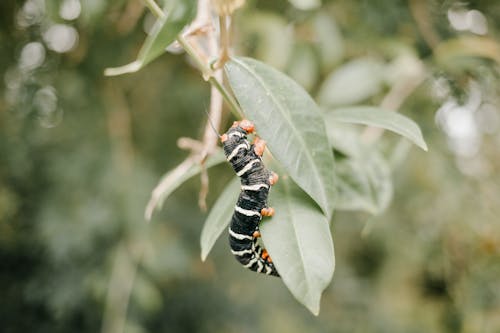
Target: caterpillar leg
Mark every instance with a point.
(273, 178)
(245, 124)
(256, 234)
(265, 255)
(259, 146)
(268, 211)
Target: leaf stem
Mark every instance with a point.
(205, 69)
(233, 105)
(154, 8)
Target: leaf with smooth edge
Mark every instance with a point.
(291, 123)
(219, 217)
(299, 242)
(374, 116)
(160, 194)
(179, 13)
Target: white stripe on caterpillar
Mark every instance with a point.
(246, 212)
(235, 151)
(251, 262)
(242, 252)
(239, 236)
(261, 266)
(247, 167)
(255, 187)
(238, 134)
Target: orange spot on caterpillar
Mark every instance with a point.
(223, 138)
(259, 146)
(267, 211)
(256, 234)
(273, 179)
(247, 126)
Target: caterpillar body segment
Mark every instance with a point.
(256, 181)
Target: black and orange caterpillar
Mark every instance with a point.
(256, 180)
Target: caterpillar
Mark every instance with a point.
(256, 180)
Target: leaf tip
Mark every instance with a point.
(424, 147)
(203, 255)
(314, 308)
(129, 68)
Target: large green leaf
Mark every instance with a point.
(306, 4)
(219, 217)
(291, 123)
(299, 241)
(175, 178)
(179, 13)
(374, 116)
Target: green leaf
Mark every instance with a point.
(306, 4)
(272, 38)
(175, 178)
(374, 116)
(299, 242)
(179, 13)
(291, 123)
(219, 217)
(352, 83)
(328, 39)
(364, 183)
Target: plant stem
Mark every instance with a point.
(206, 71)
(154, 8)
(233, 105)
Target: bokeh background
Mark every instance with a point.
(80, 154)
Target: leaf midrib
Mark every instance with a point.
(294, 129)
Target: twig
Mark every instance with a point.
(154, 8)
(224, 42)
(205, 69)
(120, 288)
(167, 182)
(420, 11)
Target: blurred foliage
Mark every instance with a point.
(80, 153)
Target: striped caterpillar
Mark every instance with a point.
(256, 180)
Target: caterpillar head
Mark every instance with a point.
(247, 126)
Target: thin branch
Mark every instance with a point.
(120, 288)
(224, 42)
(154, 8)
(166, 182)
(420, 11)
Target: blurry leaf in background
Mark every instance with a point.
(374, 116)
(303, 66)
(306, 4)
(178, 13)
(270, 38)
(299, 241)
(291, 123)
(328, 40)
(352, 83)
